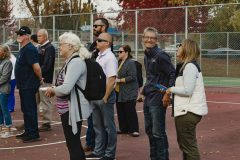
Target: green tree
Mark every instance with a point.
(40, 9)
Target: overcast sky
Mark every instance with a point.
(101, 6)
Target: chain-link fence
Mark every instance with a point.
(215, 27)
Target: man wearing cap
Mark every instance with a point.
(28, 78)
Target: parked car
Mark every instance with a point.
(222, 53)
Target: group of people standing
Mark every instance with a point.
(34, 67)
(185, 85)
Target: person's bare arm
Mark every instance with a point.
(37, 71)
(109, 87)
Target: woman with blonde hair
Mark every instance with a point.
(189, 99)
(5, 88)
(72, 112)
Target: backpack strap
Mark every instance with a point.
(75, 56)
(78, 100)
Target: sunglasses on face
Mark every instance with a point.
(120, 51)
(101, 40)
(179, 45)
(97, 25)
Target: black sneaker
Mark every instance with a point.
(29, 139)
(92, 155)
(107, 158)
(21, 136)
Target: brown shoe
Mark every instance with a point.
(45, 127)
(20, 127)
(87, 149)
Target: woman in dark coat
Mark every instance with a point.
(127, 91)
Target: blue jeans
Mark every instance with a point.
(154, 117)
(29, 109)
(4, 112)
(90, 135)
(11, 98)
(104, 127)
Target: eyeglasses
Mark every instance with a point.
(179, 45)
(97, 25)
(60, 44)
(120, 51)
(151, 38)
(101, 40)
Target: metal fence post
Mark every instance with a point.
(227, 52)
(175, 56)
(54, 38)
(136, 34)
(91, 28)
(200, 46)
(186, 22)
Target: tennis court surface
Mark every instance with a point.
(218, 134)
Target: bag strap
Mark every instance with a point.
(75, 56)
(78, 100)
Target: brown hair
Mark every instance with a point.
(127, 49)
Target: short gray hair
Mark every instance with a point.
(74, 40)
(151, 29)
(44, 31)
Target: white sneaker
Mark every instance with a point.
(6, 135)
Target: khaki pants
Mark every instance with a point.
(186, 135)
(45, 104)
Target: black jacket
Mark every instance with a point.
(47, 60)
(159, 69)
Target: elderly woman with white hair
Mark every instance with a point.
(73, 72)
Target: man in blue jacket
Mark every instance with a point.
(28, 78)
(159, 70)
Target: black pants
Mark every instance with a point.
(29, 109)
(73, 141)
(127, 116)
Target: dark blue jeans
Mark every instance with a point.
(154, 117)
(90, 135)
(29, 109)
(11, 98)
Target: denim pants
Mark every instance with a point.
(29, 109)
(154, 117)
(186, 135)
(4, 112)
(90, 135)
(11, 99)
(104, 127)
(73, 142)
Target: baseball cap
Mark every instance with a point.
(23, 30)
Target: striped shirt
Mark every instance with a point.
(62, 102)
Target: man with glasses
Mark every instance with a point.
(100, 26)
(103, 110)
(28, 78)
(159, 70)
